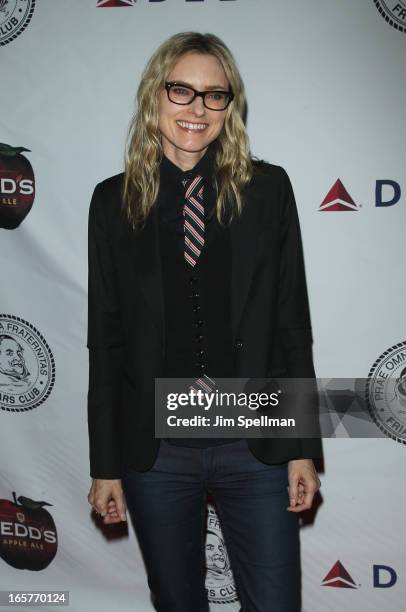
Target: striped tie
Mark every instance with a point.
(193, 215)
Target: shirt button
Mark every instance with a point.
(193, 279)
(239, 344)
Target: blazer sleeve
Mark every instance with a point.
(105, 344)
(293, 321)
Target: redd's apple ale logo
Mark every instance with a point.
(17, 186)
(27, 368)
(28, 538)
(15, 15)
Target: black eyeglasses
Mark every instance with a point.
(183, 94)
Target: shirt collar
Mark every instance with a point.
(172, 191)
(175, 175)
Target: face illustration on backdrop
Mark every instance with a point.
(12, 364)
(187, 130)
(216, 554)
(400, 391)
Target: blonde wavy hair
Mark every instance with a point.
(232, 160)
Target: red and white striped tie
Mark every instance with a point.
(193, 215)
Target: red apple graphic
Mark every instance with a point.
(17, 186)
(28, 538)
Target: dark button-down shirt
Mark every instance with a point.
(207, 329)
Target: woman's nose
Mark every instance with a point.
(197, 106)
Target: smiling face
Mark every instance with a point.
(188, 130)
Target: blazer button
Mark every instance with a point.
(201, 366)
(200, 353)
(198, 323)
(196, 308)
(195, 294)
(199, 337)
(239, 344)
(192, 280)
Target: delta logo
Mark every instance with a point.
(387, 193)
(338, 198)
(339, 577)
(383, 577)
(118, 3)
(114, 3)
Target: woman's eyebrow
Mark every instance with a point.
(208, 87)
(216, 87)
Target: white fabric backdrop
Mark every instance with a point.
(326, 94)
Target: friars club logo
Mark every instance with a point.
(28, 538)
(385, 392)
(220, 584)
(393, 12)
(17, 186)
(15, 15)
(27, 368)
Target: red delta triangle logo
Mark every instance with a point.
(339, 577)
(114, 3)
(337, 198)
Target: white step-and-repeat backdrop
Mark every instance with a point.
(326, 100)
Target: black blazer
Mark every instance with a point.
(270, 318)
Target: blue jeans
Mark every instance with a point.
(167, 506)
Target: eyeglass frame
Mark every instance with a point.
(202, 94)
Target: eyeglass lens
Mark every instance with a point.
(216, 100)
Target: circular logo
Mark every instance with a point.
(15, 15)
(393, 12)
(220, 584)
(27, 368)
(17, 186)
(386, 392)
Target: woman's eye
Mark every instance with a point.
(215, 96)
(181, 91)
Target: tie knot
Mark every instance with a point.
(193, 186)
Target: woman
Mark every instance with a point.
(199, 271)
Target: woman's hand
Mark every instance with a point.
(107, 498)
(303, 484)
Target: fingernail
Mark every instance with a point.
(103, 513)
(123, 517)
